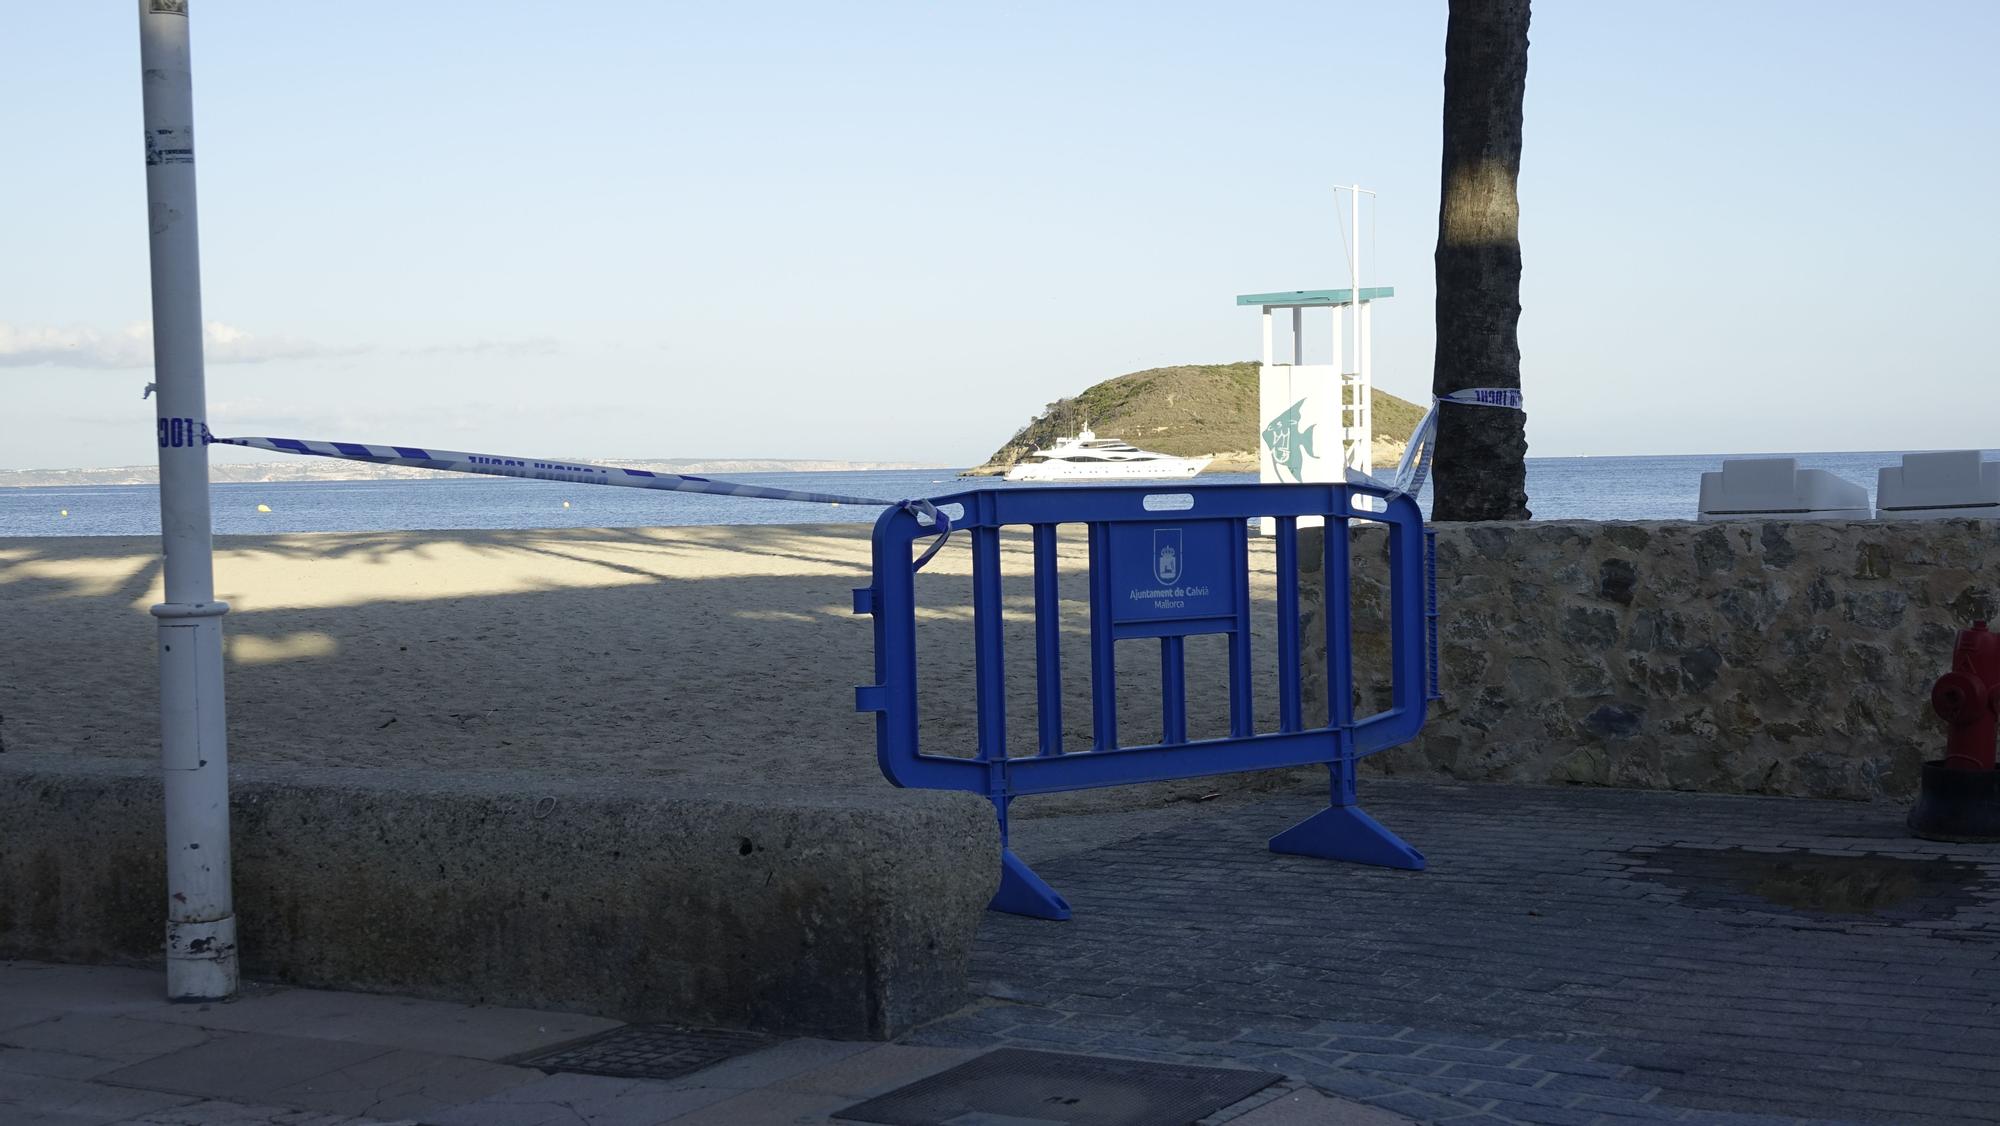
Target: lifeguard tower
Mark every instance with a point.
(1317, 420)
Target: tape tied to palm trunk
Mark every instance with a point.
(1415, 465)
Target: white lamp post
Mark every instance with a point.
(201, 919)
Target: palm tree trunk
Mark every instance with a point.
(1480, 471)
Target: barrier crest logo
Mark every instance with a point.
(1167, 555)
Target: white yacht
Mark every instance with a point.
(1088, 457)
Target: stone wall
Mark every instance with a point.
(831, 913)
(1752, 657)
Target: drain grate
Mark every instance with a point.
(1024, 1088)
(646, 1051)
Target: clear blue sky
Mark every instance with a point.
(879, 230)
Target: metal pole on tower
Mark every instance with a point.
(201, 917)
(1354, 242)
(1354, 391)
(1361, 455)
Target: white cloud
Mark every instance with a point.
(129, 347)
(132, 346)
(23, 346)
(533, 346)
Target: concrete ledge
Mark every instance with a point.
(836, 913)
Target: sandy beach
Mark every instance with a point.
(718, 654)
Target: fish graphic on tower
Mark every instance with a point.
(1289, 445)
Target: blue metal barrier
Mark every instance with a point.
(1165, 563)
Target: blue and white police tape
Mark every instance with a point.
(579, 473)
(1416, 463)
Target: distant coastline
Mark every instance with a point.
(328, 469)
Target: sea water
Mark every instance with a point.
(1594, 488)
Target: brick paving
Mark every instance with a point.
(100, 1046)
(1572, 956)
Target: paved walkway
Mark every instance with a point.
(1582, 957)
(1572, 957)
(94, 1046)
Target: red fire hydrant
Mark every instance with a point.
(1968, 698)
(1959, 795)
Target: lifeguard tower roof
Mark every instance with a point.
(1314, 298)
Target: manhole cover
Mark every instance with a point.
(1024, 1088)
(646, 1051)
(1890, 888)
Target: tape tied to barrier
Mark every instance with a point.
(582, 473)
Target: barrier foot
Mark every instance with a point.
(1023, 893)
(1344, 832)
